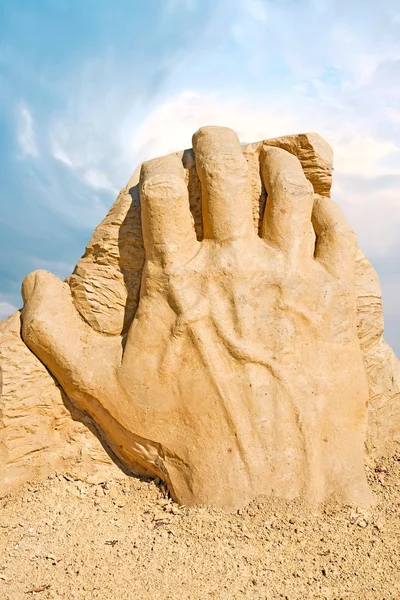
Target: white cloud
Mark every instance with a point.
(257, 10)
(60, 154)
(393, 115)
(6, 309)
(59, 137)
(26, 132)
(308, 35)
(365, 155)
(171, 125)
(90, 138)
(371, 207)
(331, 66)
(98, 180)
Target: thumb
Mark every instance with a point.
(55, 332)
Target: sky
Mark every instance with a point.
(90, 89)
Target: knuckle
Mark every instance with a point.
(163, 185)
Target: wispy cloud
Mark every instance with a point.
(257, 10)
(58, 140)
(98, 180)
(26, 132)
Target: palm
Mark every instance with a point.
(241, 373)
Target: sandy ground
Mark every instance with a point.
(123, 539)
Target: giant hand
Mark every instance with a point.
(241, 373)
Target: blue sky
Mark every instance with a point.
(89, 89)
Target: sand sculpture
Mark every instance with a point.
(222, 332)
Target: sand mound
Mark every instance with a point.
(124, 539)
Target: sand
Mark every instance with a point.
(63, 538)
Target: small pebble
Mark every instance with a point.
(353, 518)
(362, 523)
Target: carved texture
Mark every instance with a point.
(105, 288)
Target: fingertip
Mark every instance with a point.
(37, 278)
(287, 218)
(337, 243)
(161, 166)
(167, 223)
(327, 216)
(28, 286)
(226, 193)
(280, 167)
(212, 139)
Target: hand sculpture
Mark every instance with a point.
(241, 373)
